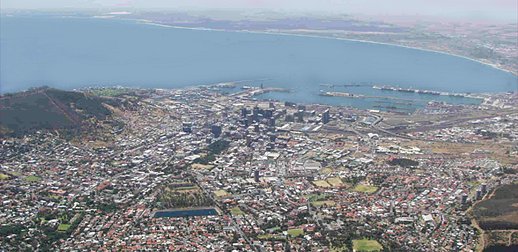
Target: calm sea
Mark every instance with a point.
(77, 52)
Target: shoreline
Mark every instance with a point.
(274, 33)
(492, 65)
(154, 23)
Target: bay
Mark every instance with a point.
(75, 52)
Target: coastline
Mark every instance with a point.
(149, 22)
(132, 21)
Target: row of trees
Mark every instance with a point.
(173, 199)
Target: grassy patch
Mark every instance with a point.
(323, 202)
(326, 170)
(236, 211)
(186, 188)
(273, 229)
(32, 178)
(221, 193)
(3, 176)
(365, 188)
(321, 183)
(315, 197)
(56, 197)
(366, 245)
(474, 183)
(63, 227)
(295, 232)
(335, 182)
(265, 236)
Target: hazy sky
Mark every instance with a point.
(487, 9)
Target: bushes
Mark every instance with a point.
(499, 212)
(403, 162)
(11, 229)
(213, 149)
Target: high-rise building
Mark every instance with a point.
(300, 116)
(271, 122)
(249, 140)
(256, 127)
(255, 113)
(244, 112)
(464, 199)
(268, 113)
(246, 122)
(216, 130)
(256, 176)
(187, 127)
(326, 117)
(290, 104)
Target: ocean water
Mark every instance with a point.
(73, 52)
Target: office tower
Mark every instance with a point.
(464, 199)
(271, 122)
(300, 116)
(326, 117)
(216, 130)
(187, 127)
(256, 176)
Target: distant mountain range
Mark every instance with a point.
(48, 108)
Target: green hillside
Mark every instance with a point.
(47, 108)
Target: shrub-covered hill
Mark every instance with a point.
(499, 212)
(48, 108)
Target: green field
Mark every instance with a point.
(295, 232)
(365, 188)
(335, 182)
(32, 178)
(265, 236)
(315, 197)
(3, 176)
(366, 245)
(323, 202)
(186, 188)
(326, 170)
(63, 227)
(236, 211)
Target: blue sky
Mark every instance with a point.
(486, 9)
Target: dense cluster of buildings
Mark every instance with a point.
(299, 177)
